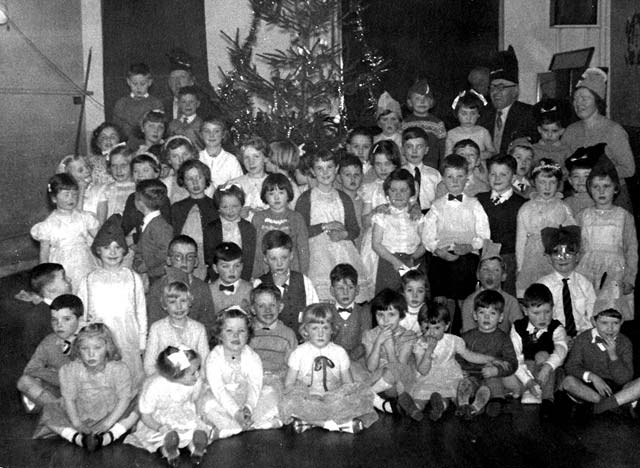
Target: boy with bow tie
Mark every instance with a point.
(229, 289)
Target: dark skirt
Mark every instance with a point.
(454, 280)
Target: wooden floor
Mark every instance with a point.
(515, 439)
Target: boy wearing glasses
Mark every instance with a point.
(510, 118)
(573, 293)
(182, 259)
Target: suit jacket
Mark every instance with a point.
(152, 248)
(520, 122)
(189, 130)
(212, 236)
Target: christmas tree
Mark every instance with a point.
(303, 98)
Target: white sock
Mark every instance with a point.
(378, 403)
(116, 431)
(331, 426)
(69, 434)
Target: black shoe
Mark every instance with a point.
(91, 442)
(494, 407)
(409, 407)
(547, 409)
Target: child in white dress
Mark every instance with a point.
(319, 388)
(65, 236)
(168, 416)
(236, 399)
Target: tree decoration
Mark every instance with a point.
(303, 97)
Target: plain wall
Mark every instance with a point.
(38, 117)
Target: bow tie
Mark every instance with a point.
(266, 328)
(344, 309)
(454, 197)
(229, 288)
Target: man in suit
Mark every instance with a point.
(180, 76)
(509, 119)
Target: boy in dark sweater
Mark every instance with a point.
(487, 339)
(501, 205)
(541, 345)
(600, 365)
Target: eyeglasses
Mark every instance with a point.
(562, 254)
(500, 87)
(179, 258)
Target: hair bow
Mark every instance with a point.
(176, 137)
(228, 186)
(462, 94)
(546, 167)
(404, 269)
(552, 109)
(49, 188)
(180, 359)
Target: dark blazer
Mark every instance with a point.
(152, 249)
(520, 122)
(212, 236)
(303, 206)
(180, 211)
(132, 218)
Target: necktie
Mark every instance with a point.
(417, 176)
(284, 287)
(229, 288)
(185, 120)
(497, 134)
(496, 200)
(66, 347)
(570, 324)
(455, 197)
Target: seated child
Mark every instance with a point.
(349, 180)
(414, 147)
(182, 258)
(168, 416)
(438, 373)
(415, 288)
(420, 101)
(389, 120)
(502, 205)
(128, 110)
(319, 388)
(177, 329)
(579, 166)
(272, 339)
(351, 320)
(277, 193)
(156, 233)
(454, 230)
(359, 143)
(188, 123)
(97, 404)
(551, 123)
(388, 349)
(39, 383)
(192, 215)
(229, 289)
(491, 274)
(236, 400)
(47, 281)
(600, 365)
(573, 293)
(296, 288)
(541, 346)
(488, 339)
(522, 151)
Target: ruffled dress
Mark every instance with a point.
(445, 373)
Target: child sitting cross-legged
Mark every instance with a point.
(167, 404)
(541, 344)
(319, 388)
(97, 404)
(39, 383)
(177, 329)
(600, 366)
(486, 380)
(237, 399)
(272, 339)
(439, 373)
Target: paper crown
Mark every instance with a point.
(179, 60)
(490, 250)
(595, 80)
(421, 87)
(585, 157)
(111, 231)
(505, 66)
(387, 103)
(563, 235)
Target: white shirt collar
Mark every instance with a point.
(148, 218)
(133, 96)
(538, 331)
(413, 310)
(505, 112)
(190, 118)
(504, 196)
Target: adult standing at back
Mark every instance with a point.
(589, 103)
(181, 75)
(509, 119)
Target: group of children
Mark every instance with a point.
(301, 284)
